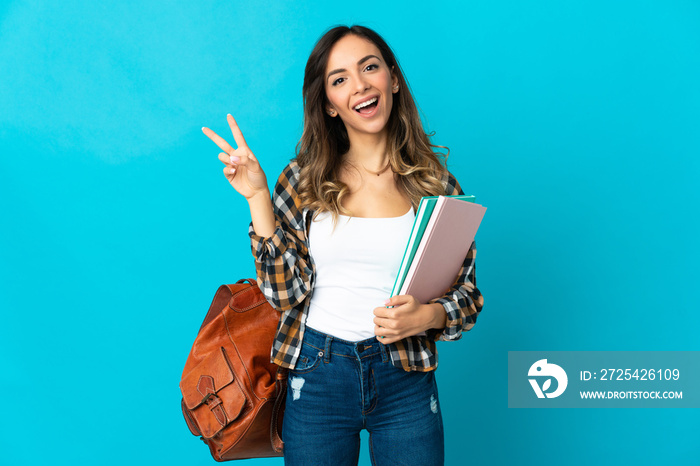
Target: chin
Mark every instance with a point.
(373, 127)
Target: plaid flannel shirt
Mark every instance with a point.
(286, 274)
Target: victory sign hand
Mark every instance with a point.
(241, 169)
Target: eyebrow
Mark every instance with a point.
(359, 62)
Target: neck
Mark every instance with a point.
(368, 150)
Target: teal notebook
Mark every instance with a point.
(425, 209)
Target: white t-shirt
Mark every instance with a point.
(356, 266)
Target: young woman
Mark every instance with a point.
(328, 247)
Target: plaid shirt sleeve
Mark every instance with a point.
(284, 268)
(463, 301)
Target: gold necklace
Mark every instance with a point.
(386, 167)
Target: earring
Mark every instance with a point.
(331, 112)
(396, 88)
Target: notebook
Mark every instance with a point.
(425, 209)
(446, 239)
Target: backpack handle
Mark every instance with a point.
(249, 280)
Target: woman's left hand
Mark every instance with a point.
(407, 317)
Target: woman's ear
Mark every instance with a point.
(394, 81)
(331, 111)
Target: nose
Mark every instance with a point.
(361, 84)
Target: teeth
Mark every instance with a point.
(364, 104)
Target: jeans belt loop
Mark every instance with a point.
(384, 349)
(327, 349)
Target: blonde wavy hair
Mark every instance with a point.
(419, 168)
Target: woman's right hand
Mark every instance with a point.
(241, 169)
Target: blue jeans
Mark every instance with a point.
(339, 388)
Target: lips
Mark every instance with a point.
(368, 106)
(363, 103)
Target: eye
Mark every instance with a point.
(372, 66)
(337, 81)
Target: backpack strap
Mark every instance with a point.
(277, 443)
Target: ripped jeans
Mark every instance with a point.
(339, 388)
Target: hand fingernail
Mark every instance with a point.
(386, 303)
(233, 170)
(235, 158)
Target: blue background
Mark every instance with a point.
(575, 123)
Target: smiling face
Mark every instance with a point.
(359, 86)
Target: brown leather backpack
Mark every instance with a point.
(232, 395)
